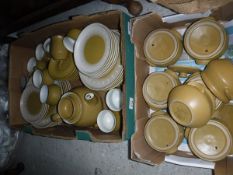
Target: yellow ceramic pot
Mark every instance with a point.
(75, 106)
(162, 47)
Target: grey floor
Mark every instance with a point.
(53, 156)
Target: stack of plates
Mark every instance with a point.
(97, 56)
(33, 111)
(113, 79)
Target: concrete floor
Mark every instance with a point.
(52, 156)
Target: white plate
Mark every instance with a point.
(88, 32)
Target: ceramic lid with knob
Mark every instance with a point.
(205, 40)
(156, 133)
(162, 47)
(212, 142)
(157, 87)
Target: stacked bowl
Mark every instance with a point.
(97, 56)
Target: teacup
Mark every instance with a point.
(162, 133)
(114, 99)
(63, 69)
(57, 48)
(46, 45)
(218, 78)
(41, 77)
(41, 65)
(50, 94)
(31, 64)
(70, 38)
(190, 106)
(39, 52)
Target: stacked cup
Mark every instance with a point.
(97, 56)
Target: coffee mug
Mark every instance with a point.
(70, 38)
(50, 94)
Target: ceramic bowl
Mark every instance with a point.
(162, 47)
(114, 99)
(157, 87)
(205, 40)
(50, 94)
(212, 142)
(57, 48)
(217, 77)
(106, 121)
(70, 38)
(156, 133)
(189, 106)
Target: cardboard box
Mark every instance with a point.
(140, 150)
(23, 48)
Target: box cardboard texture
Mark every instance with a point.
(23, 48)
(140, 150)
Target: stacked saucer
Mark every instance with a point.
(97, 56)
(33, 111)
(64, 84)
